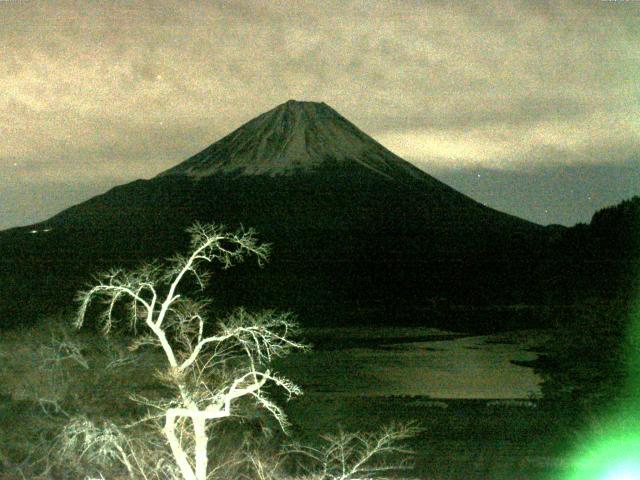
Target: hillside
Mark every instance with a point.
(358, 234)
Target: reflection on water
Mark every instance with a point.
(468, 367)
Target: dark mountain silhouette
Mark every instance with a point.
(358, 233)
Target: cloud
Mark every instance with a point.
(599, 138)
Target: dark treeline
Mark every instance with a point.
(593, 351)
(599, 261)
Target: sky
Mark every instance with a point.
(531, 107)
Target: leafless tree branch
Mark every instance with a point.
(209, 372)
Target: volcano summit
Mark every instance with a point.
(358, 234)
(293, 138)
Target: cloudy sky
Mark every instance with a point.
(531, 107)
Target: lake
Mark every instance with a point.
(417, 362)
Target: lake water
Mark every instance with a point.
(424, 362)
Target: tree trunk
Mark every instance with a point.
(202, 460)
(178, 452)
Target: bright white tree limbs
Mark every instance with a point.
(177, 325)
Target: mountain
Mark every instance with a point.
(358, 234)
(293, 138)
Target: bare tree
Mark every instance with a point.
(209, 371)
(357, 456)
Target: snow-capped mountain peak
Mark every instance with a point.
(293, 137)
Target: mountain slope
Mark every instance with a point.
(357, 232)
(292, 138)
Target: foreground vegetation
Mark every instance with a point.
(70, 418)
(99, 412)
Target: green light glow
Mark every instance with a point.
(613, 456)
(612, 451)
(624, 471)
